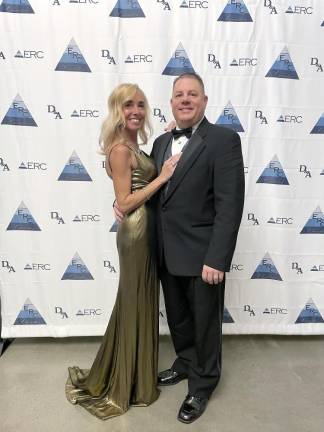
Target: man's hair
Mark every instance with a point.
(192, 75)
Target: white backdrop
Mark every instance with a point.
(262, 62)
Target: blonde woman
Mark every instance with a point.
(124, 371)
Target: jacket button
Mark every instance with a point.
(163, 208)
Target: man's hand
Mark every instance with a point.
(211, 275)
(118, 214)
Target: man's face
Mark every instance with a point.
(188, 102)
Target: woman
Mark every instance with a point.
(124, 372)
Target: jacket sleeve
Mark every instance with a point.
(153, 153)
(228, 179)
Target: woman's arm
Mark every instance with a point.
(120, 162)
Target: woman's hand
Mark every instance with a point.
(118, 213)
(169, 166)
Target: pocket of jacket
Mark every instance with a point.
(203, 223)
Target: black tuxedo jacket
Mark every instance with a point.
(199, 216)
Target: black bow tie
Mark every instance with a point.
(177, 133)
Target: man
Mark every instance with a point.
(198, 217)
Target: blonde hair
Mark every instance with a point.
(113, 126)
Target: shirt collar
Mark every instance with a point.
(195, 126)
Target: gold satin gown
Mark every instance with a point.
(124, 371)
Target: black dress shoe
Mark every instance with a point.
(192, 408)
(170, 377)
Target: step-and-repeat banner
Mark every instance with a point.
(262, 62)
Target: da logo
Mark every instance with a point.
(18, 114)
(283, 67)
(74, 170)
(16, 6)
(309, 314)
(273, 173)
(315, 224)
(29, 315)
(266, 269)
(227, 317)
(229, 119)
(23, 220)
(127, 9)
(72, 60)
(235, 11)
(77, 270)
(179, 63)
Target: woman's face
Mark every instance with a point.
(134, 112)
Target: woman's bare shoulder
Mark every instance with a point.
(118, 150)
(120, 156)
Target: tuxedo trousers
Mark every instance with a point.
(195, 313)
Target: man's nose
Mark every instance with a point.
(185, 99)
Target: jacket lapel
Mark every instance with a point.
(193, 149)
(161, 151)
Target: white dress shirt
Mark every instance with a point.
(179, 143)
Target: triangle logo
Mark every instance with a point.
(315, 224)
(72, 60)
(273, 173)
(229, 119)
(309, 314)
(235, 11)
(29, 315)
(227, 317)
(127, 9)
(114, 227)
(179, 63)
(23, 220)
(16, 6)
(18, 114)
(74, 170)
(289, 10)
(283, 67)
(319, 127)
(184, 4)
(77, 270)
(266, 269)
